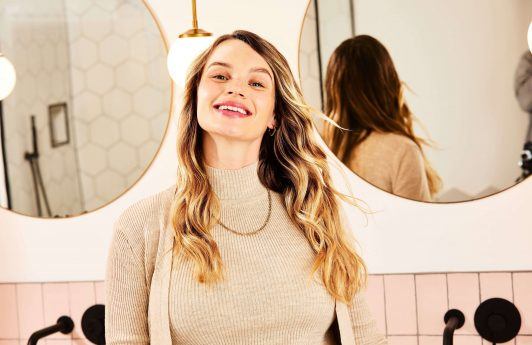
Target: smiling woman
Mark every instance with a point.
(249, 246)
(235, 75)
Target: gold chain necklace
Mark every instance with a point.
(259, 229)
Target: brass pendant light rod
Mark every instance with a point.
(194, 15)
(195, 31)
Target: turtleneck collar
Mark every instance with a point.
(236, 184)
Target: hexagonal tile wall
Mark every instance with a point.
(122, 87)
(39, 55)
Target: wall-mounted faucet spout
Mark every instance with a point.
(453, 319)
(64, 325)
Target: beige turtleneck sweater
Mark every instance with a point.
(267, 297)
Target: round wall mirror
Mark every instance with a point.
(90, 106)
(435, 100)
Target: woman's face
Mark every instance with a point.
(236, 76)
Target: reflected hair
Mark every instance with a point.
(290, 163)
(363, 94)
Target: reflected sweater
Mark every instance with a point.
(393, 163)
(267, 297)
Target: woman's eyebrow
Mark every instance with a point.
(256, 69)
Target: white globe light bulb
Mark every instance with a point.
(8, 77)
(182, 52)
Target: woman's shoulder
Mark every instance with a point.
(384, 148)
(391, 140)
(404, 152)
(149, 210)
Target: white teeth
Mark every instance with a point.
(240, 110)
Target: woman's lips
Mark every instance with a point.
(230, 113)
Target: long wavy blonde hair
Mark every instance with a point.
(290, 163)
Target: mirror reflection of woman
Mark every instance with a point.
(248, 247)
(365, 95)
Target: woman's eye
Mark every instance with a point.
(257, 83)
(219, 75)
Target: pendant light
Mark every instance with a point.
(7, 77)
(186, 48)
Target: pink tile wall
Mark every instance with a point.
(25, 308)
(408, 308)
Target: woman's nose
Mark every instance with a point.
(236, 88)
(236, 92)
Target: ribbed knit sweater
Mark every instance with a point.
(267, 297)
(393, 163)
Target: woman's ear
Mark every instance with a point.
(272, 123)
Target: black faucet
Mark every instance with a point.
(64, 325)
(453, 319)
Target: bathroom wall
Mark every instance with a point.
(408, 308)
(34, 37)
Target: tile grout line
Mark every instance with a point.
(18, 312)
(513, 299)
(95, 294)
(42, 304)
(479, 288)
(416, 306)
(447, 290)
(479, 301)
(385, 306)
(70, 310)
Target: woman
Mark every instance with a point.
(365, 96)
(229, 255)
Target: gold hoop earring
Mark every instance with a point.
(272, 131)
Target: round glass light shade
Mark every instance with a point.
(7, 77)
(182, 52)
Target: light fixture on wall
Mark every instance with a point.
(185, 48)
(8, 77)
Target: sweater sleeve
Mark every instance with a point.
(126, 294)
(364, 325)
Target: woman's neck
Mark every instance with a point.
(227, 153)
(236, 184)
